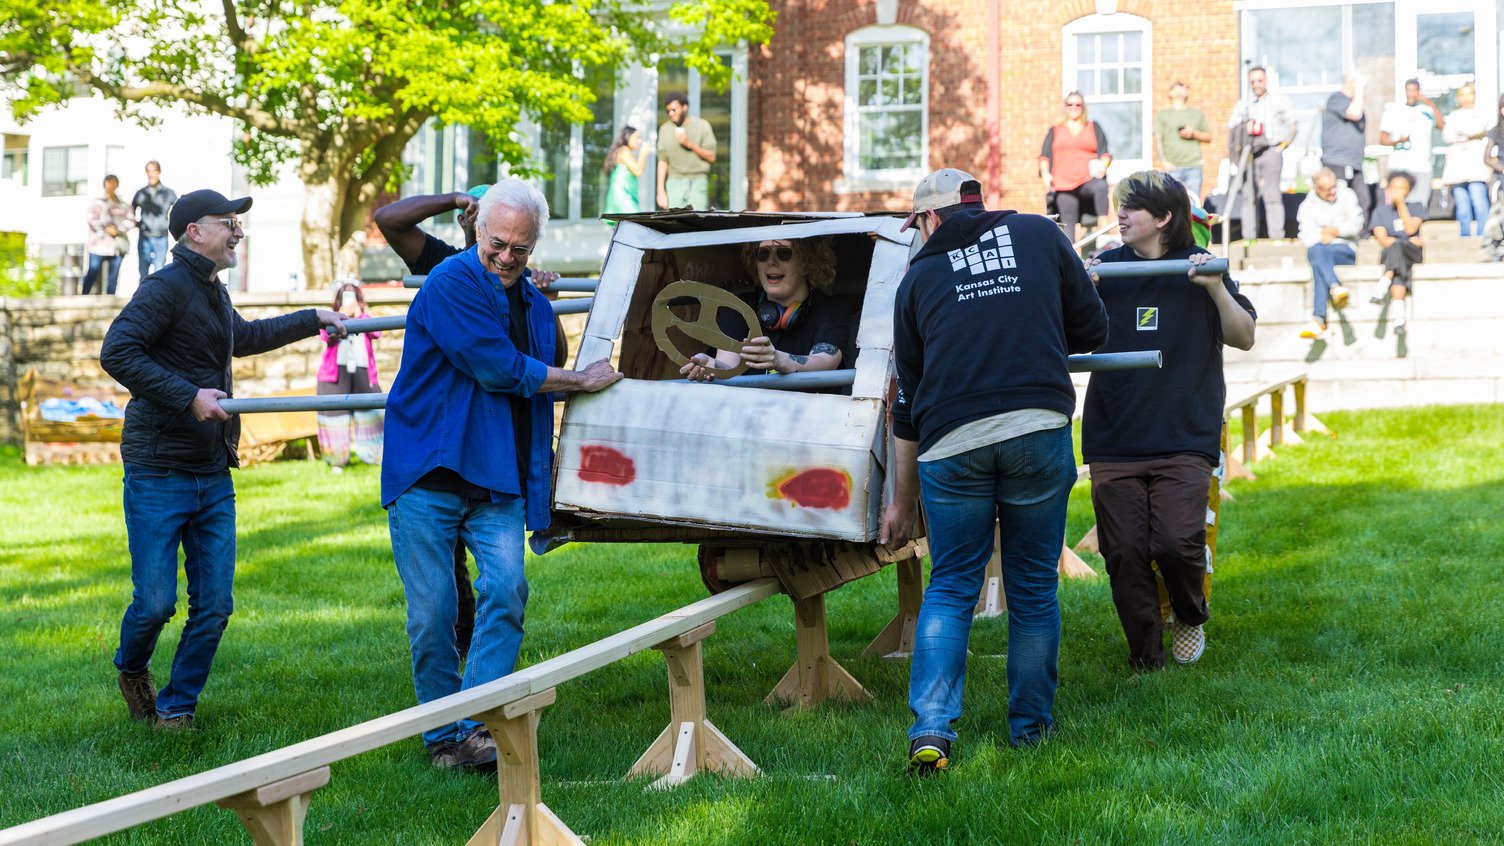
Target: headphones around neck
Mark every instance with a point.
(775, 317)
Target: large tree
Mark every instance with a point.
(341, 87)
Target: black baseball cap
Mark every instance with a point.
(196, 204)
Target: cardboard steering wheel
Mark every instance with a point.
(704, 328)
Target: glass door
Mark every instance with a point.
(1445, 43)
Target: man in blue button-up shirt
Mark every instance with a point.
(470, 424)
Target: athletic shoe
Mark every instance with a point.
(140, 694)
(928, 755)
(476, 752)
(181, 722)
(1339, 296)
(1314, 329)
(1186, 642)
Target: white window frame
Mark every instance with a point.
(1118, 22)
(854, 177)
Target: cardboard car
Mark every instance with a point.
(658, 458)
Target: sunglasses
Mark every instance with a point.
(785, 254)
(1075, 105)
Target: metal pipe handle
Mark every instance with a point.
(1162, 267)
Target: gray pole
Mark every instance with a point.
(573, 305)
(582, 285)
(781, 382)
(1117, 269)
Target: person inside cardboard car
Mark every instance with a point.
(801, 327)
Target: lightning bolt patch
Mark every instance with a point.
(1148, 319)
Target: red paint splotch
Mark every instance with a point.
(606, 465)
(819, 487)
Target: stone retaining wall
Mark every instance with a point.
(61, 336)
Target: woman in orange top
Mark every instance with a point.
(1073, 164)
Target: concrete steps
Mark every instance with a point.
(1453, 351)
(1443, 246)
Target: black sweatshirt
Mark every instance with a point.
(984, 319)
(1138, 415)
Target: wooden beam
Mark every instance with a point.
(221, 782)
(992, 602)
(521, 819)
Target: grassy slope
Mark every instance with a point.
(1349, 693)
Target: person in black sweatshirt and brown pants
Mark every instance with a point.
(991, 306)
(1153, 437)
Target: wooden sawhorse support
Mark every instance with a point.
(521, 819)
(273, 813)
(896, 641)
(690, 743)
(816, 676)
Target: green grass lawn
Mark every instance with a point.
(1349, 694)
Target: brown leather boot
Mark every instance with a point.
(140, 694)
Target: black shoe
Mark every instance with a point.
(476, 752)
(140, 694)
(182, 722)
(928, 755)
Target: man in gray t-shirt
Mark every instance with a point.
(686, 150)
(150, 207)
(1343, 125)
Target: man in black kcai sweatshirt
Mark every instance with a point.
(992, 305)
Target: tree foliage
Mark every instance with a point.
(341, 87)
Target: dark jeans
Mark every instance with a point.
(164, 509)
(1022, 485)
(1153, 512)
(1069, 203)
(151, 253)
(1400, 257)
(92, 274)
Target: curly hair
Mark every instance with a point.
(817, 256)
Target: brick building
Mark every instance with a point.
(978, 83)
(853, 100)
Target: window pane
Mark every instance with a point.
(480, 167)
(1086, 49)
(1444, 45)
(866, 92)
(1373, 31)
(1123, 123)
(553, 146)
(1133, 47)
(1300, 47)
(887, 92)
(597, 137)
(890, 140)
(1133, 80)
(715, 108)
(1107, 81)
(913, 91)
(1086, 81)
(1109, 48)
(869, 61)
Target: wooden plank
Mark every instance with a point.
(287, 788)
(123, 812)
(1253, 398)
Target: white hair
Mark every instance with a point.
(513, 193)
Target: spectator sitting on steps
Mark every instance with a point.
(1330, 220)
(1396, 226)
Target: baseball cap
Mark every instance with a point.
(479, 191)
(944, 187)
(196, 204)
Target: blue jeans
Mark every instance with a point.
(1470, 199)
(424, 525)
(1023, 484)
(1190, 177)
(1324, 258)
(163, 509)
(92, 274)
(151, 254)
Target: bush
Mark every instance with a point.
(21, 276)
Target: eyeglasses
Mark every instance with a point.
(785, 254)
(518, 251)
(1075, 105)
(232, 223)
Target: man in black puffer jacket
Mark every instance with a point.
(171, 348)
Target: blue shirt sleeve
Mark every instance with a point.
(468, 323)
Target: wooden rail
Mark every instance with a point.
(1282, 430)
(270, 791)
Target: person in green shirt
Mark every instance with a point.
(686, 149)
(1179, 132)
